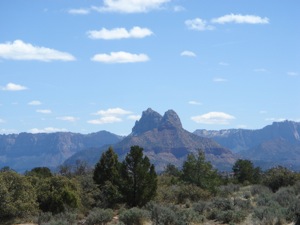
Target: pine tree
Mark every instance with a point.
(139, 178)
(107, 177)
(200, 172)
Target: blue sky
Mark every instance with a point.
(85, 66)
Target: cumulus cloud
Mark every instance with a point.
(120, 57)
(194, 103)
(188, 53)
(105, 119)
(47, 130)
(111, 115)
(276, 119)
(223, 64)
(238, 18)
(79, 11)
(13, 87)
(198, 24)
(130, 6)
(34, 102)
(44, 111)
(134, 117)
(113, 111)
(220, 118)
(67, 118)
(219, 79)
(119, 33)
(178, 8)
(293, 74)
(19, 50)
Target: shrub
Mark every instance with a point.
(67, 218)
(200, 207)
(189, 216)
(99, 216)
(231, 216)
(134, 216)
(259, 189)
(161, 214)
(242, 204)
(293, 211)
(285, 196)
(191, 192)
(227, 190)
(278, 177)
(222, 204)
(269, 215)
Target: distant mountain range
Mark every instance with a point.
(276, 144)
(164, 141)
(25, 150)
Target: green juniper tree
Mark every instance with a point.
(107, 177)
(139, 179)
(244, 171)
(200, 172)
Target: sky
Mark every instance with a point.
(90, 65)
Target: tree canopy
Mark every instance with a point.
(244, 171)
(139, 179)
(196, 170)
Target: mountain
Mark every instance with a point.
(275, 144)
(25, 150)
(165, 141)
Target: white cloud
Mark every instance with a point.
(178, 8)
(188, 53)
(34, 102)
(293, 74)
(198, 24)
(105, 119)
(238, 18)
(13, 87)
(79, 11)
(67, 118)
(47, 130)
(44, 111)
(220, 118)
(120, 57)
(130, 6)
(194, 103)
(18, 50)
(219, 79)
(2, 121)
(223, 64)
(112, 115)
(113, 111)
(134, 117)
(263, 112)
(276, 119)
(119, 33)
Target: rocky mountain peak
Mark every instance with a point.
(170, 120)
(149, 120)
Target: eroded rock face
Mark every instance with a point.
(165, 141)
(149, 120)
(152, 120)
(170, 120)
(25, 151)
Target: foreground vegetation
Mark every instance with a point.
(131, 193)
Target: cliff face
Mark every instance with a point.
(165, 141)
(275, 144)
(25, 150)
